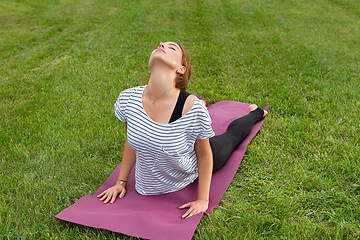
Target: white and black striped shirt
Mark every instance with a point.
(165, 155)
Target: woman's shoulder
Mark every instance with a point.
(199, 104)
(129, 94)
(128, 97)
(194, 104)
(133, 90)
(201, 109)
(189, 103)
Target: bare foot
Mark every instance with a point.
(252, 107)
(265, 113)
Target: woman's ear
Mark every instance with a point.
(181, 70)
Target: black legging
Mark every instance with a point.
(223, 145)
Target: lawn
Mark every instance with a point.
(63, 64)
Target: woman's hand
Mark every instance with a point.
(195, 207)
(111, 193)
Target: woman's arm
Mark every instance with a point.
(205, 166)
(127, 163)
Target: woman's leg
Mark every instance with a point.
(223, 145)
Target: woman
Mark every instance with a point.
(169, 134)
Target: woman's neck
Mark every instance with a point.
(161, 82)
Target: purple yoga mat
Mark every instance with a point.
(158, 217)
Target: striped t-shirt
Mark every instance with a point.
(165, 155)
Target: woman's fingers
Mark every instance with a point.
(187, 214)
(113, 198)
(194, 208)
(104, 197)
(101, 193)
(186, 205)
(122, 193)
(108, 197)
(191, 212)
(110, 194)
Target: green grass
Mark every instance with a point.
(63, 64)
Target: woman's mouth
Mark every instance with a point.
(160, 49)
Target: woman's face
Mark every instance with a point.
(168, 53)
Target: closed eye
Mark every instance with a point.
(172, 48)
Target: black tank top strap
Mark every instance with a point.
(179, 106)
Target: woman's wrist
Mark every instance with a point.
(203, 199)
(121, 182)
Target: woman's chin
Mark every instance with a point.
(160, 62)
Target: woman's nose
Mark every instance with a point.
(161, 45)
